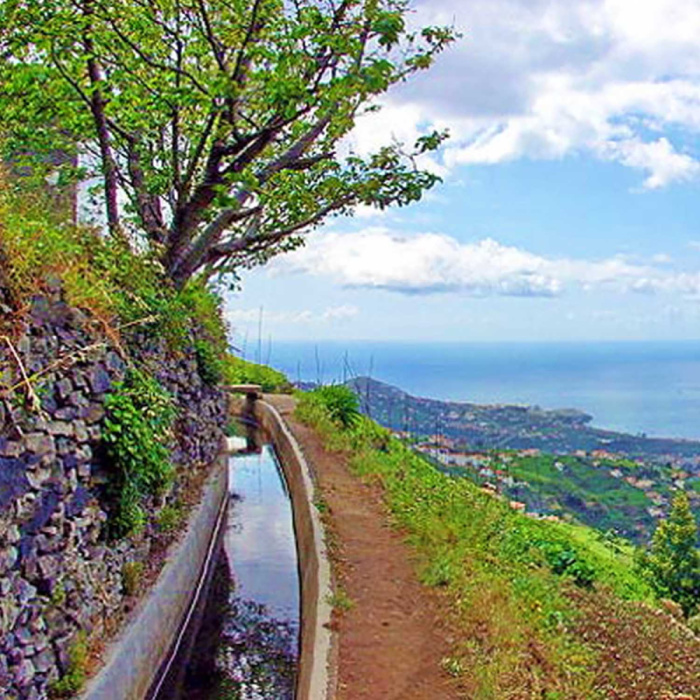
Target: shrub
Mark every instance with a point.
(136, 433)
(673, 560)
(340, 402)
(239, 371)
(567, 561)
(209, 363)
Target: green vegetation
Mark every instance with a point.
(132, 577)
(121, 292)
(673, 560)
(590, 492)
(170, 517)
(239, 371)
(512, 579)
(340, 601)
(136, 434)
(341, 404)
(74, 678)
(219, 121)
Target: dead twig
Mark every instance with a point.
(31, 394)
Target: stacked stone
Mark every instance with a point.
(57, 576)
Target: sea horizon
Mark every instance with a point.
(650, 387)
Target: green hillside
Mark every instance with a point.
(524, 594)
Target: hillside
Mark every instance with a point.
(534, 608)
(537, 458)
(559, 431)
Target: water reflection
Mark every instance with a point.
(247, 647)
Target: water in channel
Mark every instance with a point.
(248, 644)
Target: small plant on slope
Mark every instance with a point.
(673, 560)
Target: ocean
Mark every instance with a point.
(635, 387)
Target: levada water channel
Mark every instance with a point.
(247, 643)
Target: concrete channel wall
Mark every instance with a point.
(316, 677)
(138, 657)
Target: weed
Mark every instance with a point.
(340, 601)
(73, 679)
(58, 595)
(321, 504)
(132, 577)
(170, 518)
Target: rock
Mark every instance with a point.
(64, 388)
(25, 673)
(57, 623)
(40, 443)
(38, 477)
(13, 481)
(4, 672)
(78, 399)
(33, 693)
(114, 362)
(11, 448)
(62, 648)
(67, 413)
(61, 428)
(12, 534)
(47, 545)
(9, 614)
(25, 591)
(49, 567)
(8, 558)
(24, 636)
(79, 500)
(14, 654)
(94, 413)
(45, 660)
(80, 430)
(64, 446)
(69, 461)
(99, 380)
(48, 403)
(84, 453)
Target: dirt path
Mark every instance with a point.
(391, 641)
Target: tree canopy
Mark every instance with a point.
(213, 126)
(673, 559)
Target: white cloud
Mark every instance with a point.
(427, 263)
(545, 79)
(331, 314)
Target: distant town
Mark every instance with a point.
(548, 463)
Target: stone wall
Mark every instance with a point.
(58, 574)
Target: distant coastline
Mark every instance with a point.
(650, 388)
(504, 426)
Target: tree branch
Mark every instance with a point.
(97, 107)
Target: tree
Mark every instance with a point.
(215, 126)
(673, 560)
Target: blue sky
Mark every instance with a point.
(569, 208)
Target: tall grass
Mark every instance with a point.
(507, 575)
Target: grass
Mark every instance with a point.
(238, 371)
(591, 493)
(74, 678)
(340, 601)
(511, 579)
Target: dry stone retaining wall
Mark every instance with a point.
(58, 575)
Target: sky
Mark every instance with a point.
(569, 207)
